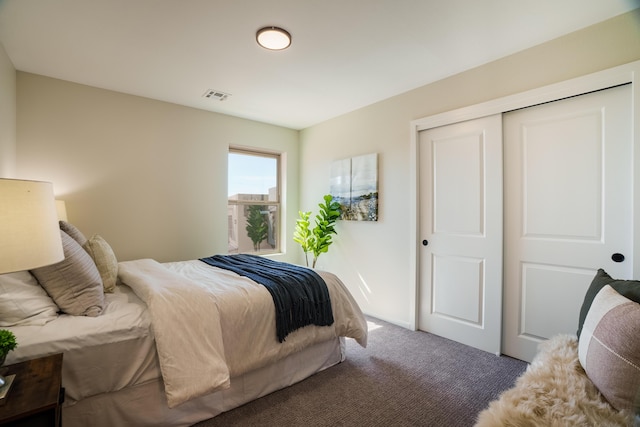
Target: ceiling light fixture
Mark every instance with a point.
(273, 38)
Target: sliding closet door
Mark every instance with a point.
(568, 210)
(460, 261)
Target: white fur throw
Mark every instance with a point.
(554, 392)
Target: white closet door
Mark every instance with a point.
(460, 261)
(568, 210)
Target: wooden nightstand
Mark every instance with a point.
(36, 393)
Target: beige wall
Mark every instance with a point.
(373, 258)
(7, 116)
(148, 176)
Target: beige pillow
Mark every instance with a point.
(105, 260)
(609, 348)
(23, 302)
(74, 283)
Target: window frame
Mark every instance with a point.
(277, 156)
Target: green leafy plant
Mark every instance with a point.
(318, 239)
(257, 227)
(7, 342)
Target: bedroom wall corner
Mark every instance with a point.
(148, 176)
(373, 258)
(7, 116)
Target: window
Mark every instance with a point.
(253, 202)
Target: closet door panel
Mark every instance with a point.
(568, 208)
(460, 261)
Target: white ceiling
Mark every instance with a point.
(345, 54)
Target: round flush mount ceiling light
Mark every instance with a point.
(273, 38)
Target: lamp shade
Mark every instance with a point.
(29, 230)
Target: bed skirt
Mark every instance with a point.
(146, 404)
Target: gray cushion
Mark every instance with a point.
(74, 283)
(627, 288)
(73, 232)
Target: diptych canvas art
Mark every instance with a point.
(354, 184)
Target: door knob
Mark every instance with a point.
(617, 257)
(425, 242)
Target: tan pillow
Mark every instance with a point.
(74, 283)
(105, 260)
(73, 232)
(609, 348)
(23, 302)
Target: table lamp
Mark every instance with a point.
(29, 230)
(61, 206)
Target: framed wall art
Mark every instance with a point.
(354, 184)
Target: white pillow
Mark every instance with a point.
(23, 301)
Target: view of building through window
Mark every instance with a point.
(253, 202)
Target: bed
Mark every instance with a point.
(166, 344)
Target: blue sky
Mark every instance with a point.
(251, 174)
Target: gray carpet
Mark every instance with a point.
(402, 378)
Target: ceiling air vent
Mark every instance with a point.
(216, 94)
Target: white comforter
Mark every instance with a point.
(211, 324)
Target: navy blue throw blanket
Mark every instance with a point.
(299, 294)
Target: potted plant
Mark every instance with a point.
(318, 239)
(7, 343)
